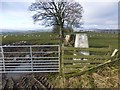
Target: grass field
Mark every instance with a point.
(31, 38)
(103, 40)
(95, 39)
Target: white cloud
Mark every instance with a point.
(97, 0)
(96, 14)
(18, 0)
(67, 0)
(100, 13)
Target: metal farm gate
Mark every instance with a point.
(29, 58)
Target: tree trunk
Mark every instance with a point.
(61, 32)
(61, 43)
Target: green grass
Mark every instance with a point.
(103, 40)
(33, 38)
(95, 39)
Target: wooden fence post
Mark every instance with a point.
(62, 64)
(61, 58)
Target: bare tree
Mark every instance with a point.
(57, 12)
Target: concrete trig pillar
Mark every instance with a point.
(81, 41)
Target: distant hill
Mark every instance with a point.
(48, 30)
(13, 31)
(101, 30)
(108, 30)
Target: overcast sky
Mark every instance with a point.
(14, 14)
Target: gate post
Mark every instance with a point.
(61, 59)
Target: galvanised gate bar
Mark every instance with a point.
(29, 58)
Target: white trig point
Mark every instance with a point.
(81, 41)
